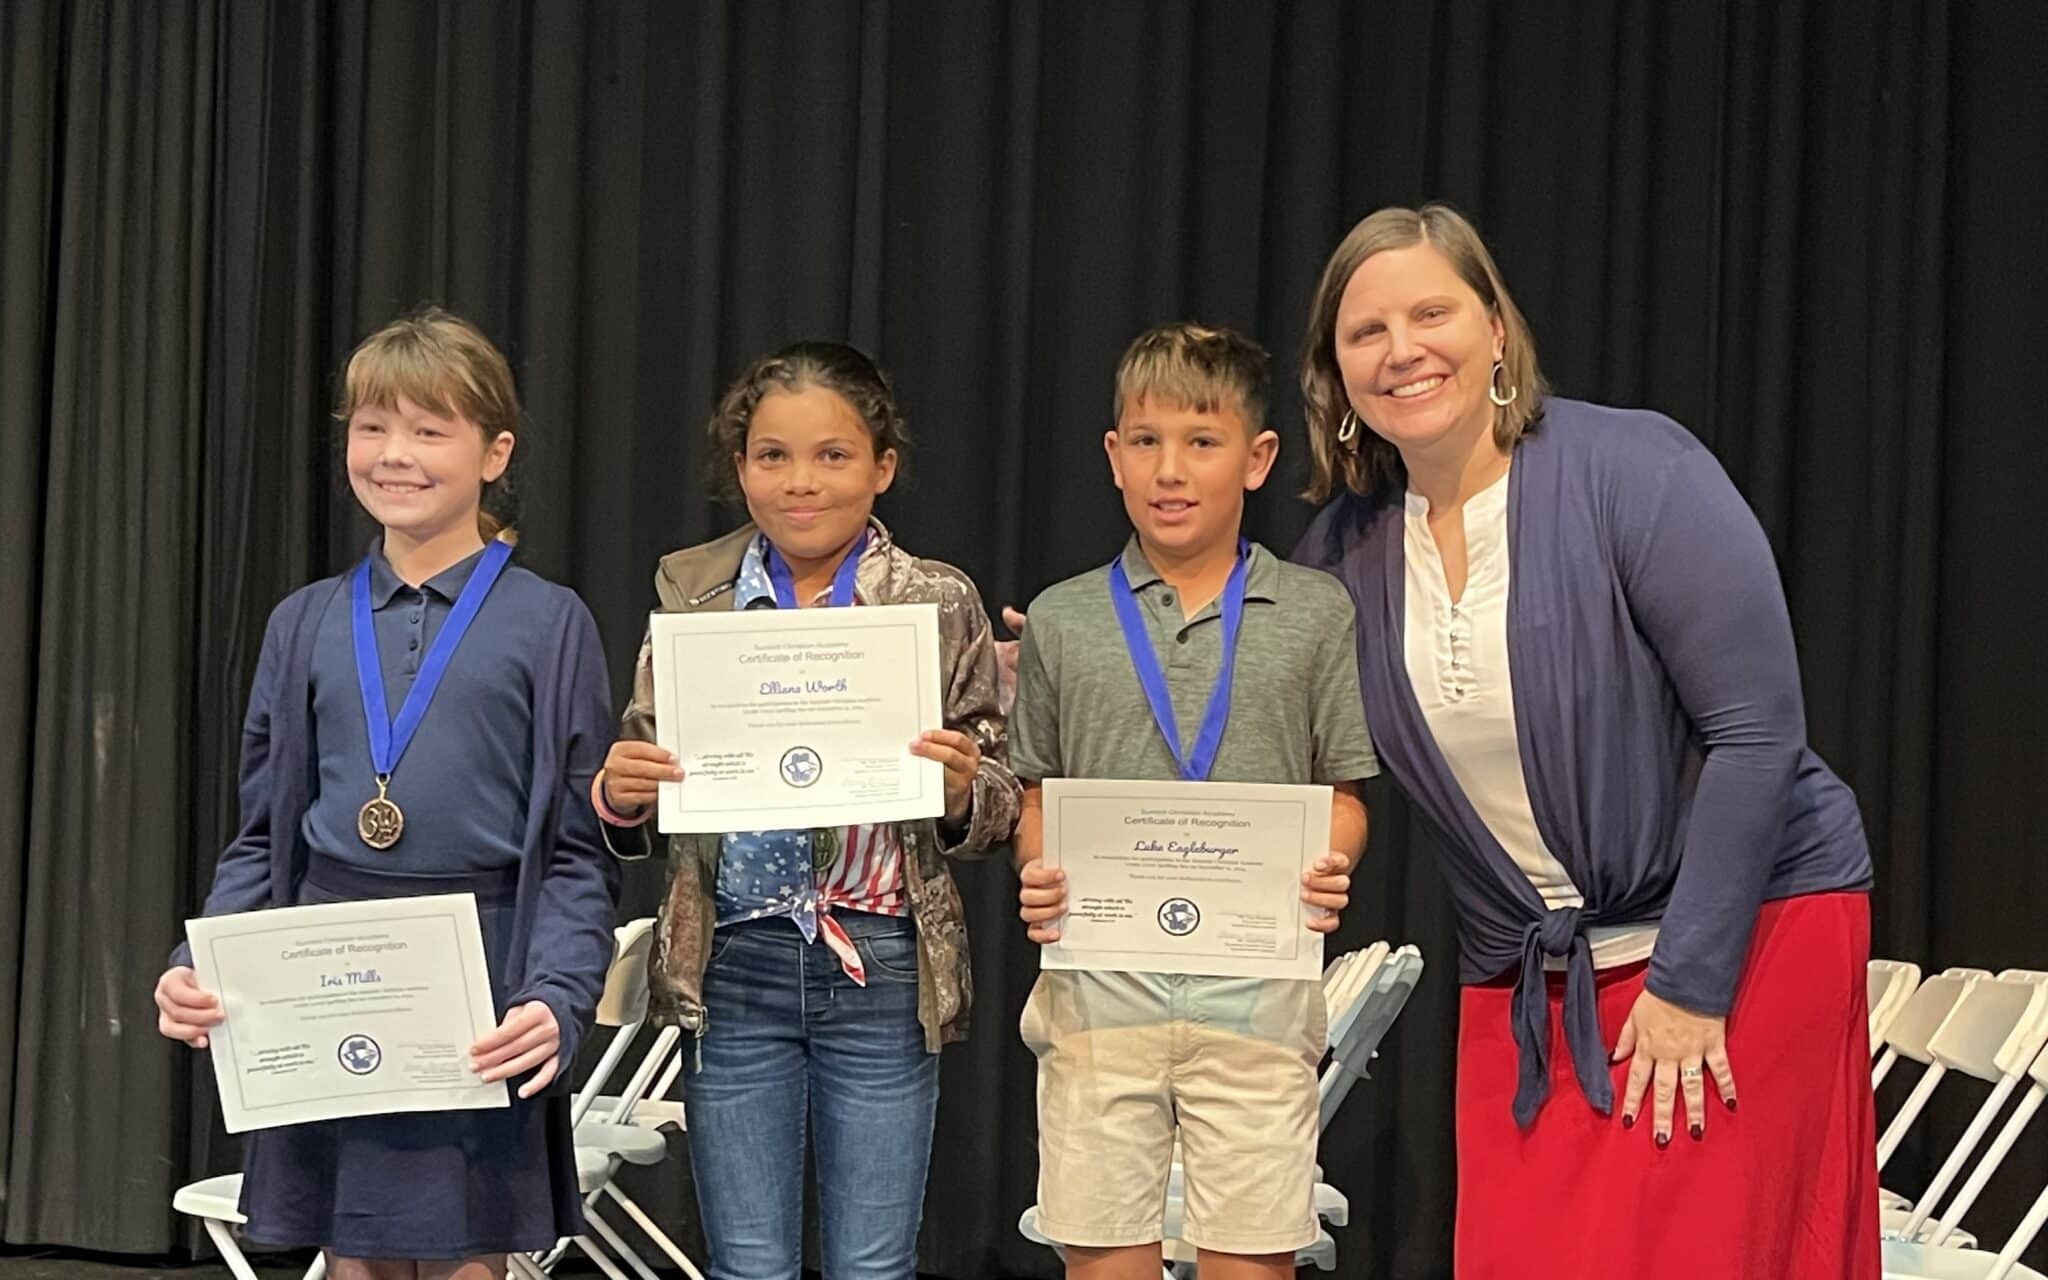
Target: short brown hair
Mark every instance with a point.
(445, 365)
(1196, 366)
(1369, 463)
(845, 371)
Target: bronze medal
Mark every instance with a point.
(380, 822)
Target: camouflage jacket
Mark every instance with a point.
(701, 579)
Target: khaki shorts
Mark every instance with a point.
(1125, 1060)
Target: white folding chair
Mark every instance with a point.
(1354, 1043)
(216, 1202)
(1892, 982)
(1908, 1037)
(608, 1136)
(1933, 1259)
(1994, 1033)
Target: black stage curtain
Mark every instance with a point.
(1808, 231)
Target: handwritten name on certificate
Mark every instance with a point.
(347, 1009)
(797, 717)
(1186, 877)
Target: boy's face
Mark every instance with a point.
(1184, 473)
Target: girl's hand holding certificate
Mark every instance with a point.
(632, 776)
(529, 1039)
(960, 755)
(185, 1010)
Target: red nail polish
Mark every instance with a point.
(1731, 1104)
(1628, 1122)
(1698, 1131)
(1663, 1141)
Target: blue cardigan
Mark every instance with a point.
(1659, 715)
(561, 941)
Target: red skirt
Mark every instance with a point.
(1784, 1188)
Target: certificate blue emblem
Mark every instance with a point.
(1179, 917)
(359, 1055)
(801, 766)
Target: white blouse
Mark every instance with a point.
(1457, 656)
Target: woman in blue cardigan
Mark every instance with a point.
(1577, 663)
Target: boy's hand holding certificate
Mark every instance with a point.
(797, 717)
(347, 1009)
(1186, 877)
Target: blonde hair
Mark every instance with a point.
(1196, 366)
(445, 365)
(1369, 463)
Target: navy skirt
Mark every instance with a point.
(427, 1185)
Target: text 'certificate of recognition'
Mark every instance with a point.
(347, 1009)
(788, 718)
(1186, 877)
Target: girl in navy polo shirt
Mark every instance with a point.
(429, 722)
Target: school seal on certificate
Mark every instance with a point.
(801, 767)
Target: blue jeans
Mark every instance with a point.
(792, 1044)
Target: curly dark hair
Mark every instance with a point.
(831, 366)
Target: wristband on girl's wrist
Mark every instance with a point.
(609, 815)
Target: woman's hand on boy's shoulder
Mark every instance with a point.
(1006, 660)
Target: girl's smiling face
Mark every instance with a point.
(810, 472)
(419, 473)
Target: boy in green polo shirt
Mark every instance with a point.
(1125, 1059)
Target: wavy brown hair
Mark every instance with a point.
(1369, 464)
(845, 371)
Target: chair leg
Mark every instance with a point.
(524, 1267)
(230, 1252)
(619, 1245)
(553, 1257)
(600, 1257)
(653, 1232)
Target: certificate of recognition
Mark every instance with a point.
(1186, 877)
(347, 1009)
(788, 718)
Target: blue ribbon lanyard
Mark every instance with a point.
(824, 840)
(784, 582)
(1195, 765)
(389, 738)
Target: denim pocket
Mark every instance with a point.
(891, 956)
(721, 942)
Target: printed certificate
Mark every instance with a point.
(1186, 877)
(347, 1009)
(788, 718)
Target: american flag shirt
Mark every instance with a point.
(796, 873)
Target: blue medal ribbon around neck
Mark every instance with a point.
(784, 582)
(1194, 765)
(389, 738)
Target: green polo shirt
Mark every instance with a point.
(1295, 717)
(1295, 711)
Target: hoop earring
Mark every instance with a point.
(1493, 391)
(1347, 427)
